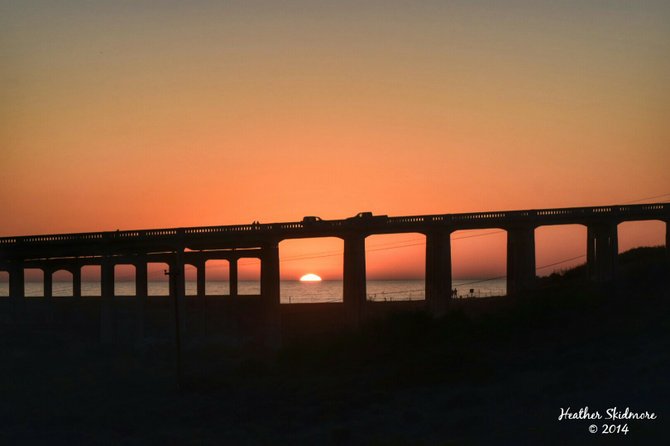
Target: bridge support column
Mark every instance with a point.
(602, 251)
(17, 281)
(270, 289)
(201, 280)
(233, 277)
(178, 287)
(48, 282)
(438, 271)
(520, 260)
(76, 281)
(200, 300)
(355, 289)
(141, 279)
(107, 301)
(270, 275)
(141, 294)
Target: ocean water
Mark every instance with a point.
(291, 291)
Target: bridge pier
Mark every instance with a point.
(106, 301)
(438, 270)
(354, 280)
(141, 293)
(270, 274)
(17, 281)
(270, 289)
(602, 251)
(520, 259)
(141, 279)
(200, 293)
(76, 281)
(200, 279)
(178, 286)
(48, 282)
(232, 276)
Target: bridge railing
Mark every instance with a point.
(52, 238)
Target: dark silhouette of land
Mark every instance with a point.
(489, 371)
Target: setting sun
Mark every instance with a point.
(310, 278)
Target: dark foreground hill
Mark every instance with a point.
(494, 371)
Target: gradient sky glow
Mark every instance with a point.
(139, 114)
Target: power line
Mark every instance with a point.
(562, 261)
(479, 280)
(647, 198)
(548, 265)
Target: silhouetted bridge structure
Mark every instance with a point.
(194, 246)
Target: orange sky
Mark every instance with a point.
(137, 115)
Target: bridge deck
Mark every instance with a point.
(253, 235)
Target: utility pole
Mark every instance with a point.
(174, 274)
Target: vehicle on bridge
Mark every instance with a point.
(311, 220)
(368, 217)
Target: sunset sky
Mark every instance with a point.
(141, 114)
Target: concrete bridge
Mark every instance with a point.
(194, 246)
